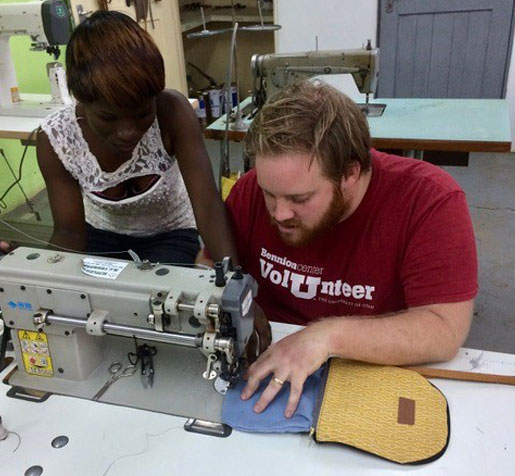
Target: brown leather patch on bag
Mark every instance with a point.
(406, 411)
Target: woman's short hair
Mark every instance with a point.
(316, 119)
(110, 58)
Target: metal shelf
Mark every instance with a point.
(191, 20)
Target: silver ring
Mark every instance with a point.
(278, 381)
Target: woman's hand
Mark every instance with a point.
(5, 247)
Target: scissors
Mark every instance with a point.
(117, 372)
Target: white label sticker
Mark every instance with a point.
(247, 302)
(102, 268)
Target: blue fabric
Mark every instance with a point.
(239, 414)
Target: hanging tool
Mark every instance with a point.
(103, 4)
(212, 82)
(147, 365)
(150, 13)
(144, 354)
(141, 8)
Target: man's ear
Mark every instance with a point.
(352, 176)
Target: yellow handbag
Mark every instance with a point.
(388, 411)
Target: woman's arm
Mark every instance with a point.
(65, 198)
(185, 140)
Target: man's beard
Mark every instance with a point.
(338, 207)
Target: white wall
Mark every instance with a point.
(341, 24)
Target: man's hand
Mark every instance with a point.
(291, 359)
(260, 338)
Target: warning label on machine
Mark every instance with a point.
(35, 352)
(102, 268)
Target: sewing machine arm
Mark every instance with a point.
(75, 300)
(274, 71)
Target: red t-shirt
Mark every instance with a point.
(409, 243)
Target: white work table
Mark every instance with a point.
(18, 127)
(21, 127)
(112, 440)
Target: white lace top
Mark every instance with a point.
(165, 206)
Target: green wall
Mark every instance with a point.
(30, 69)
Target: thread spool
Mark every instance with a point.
(215, 103)
(3, 432)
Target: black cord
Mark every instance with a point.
(17, 180)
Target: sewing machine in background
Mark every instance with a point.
(72, 316)
(274, 71)
(47, 23)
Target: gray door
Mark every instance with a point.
(444, 48)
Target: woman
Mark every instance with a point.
(120, 164)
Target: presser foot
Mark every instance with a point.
(210, 428)
(372, 109)
(221, 385)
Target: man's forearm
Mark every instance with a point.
(415, 336)
(431, 333)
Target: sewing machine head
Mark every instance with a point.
(274, 71)
(47, 23)
(72, 315)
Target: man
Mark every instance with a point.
(374, 253)
(4, 247)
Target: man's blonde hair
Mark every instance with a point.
(314, 119)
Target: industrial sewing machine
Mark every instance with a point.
(71, 316)
(274, 71)
(47, 23)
